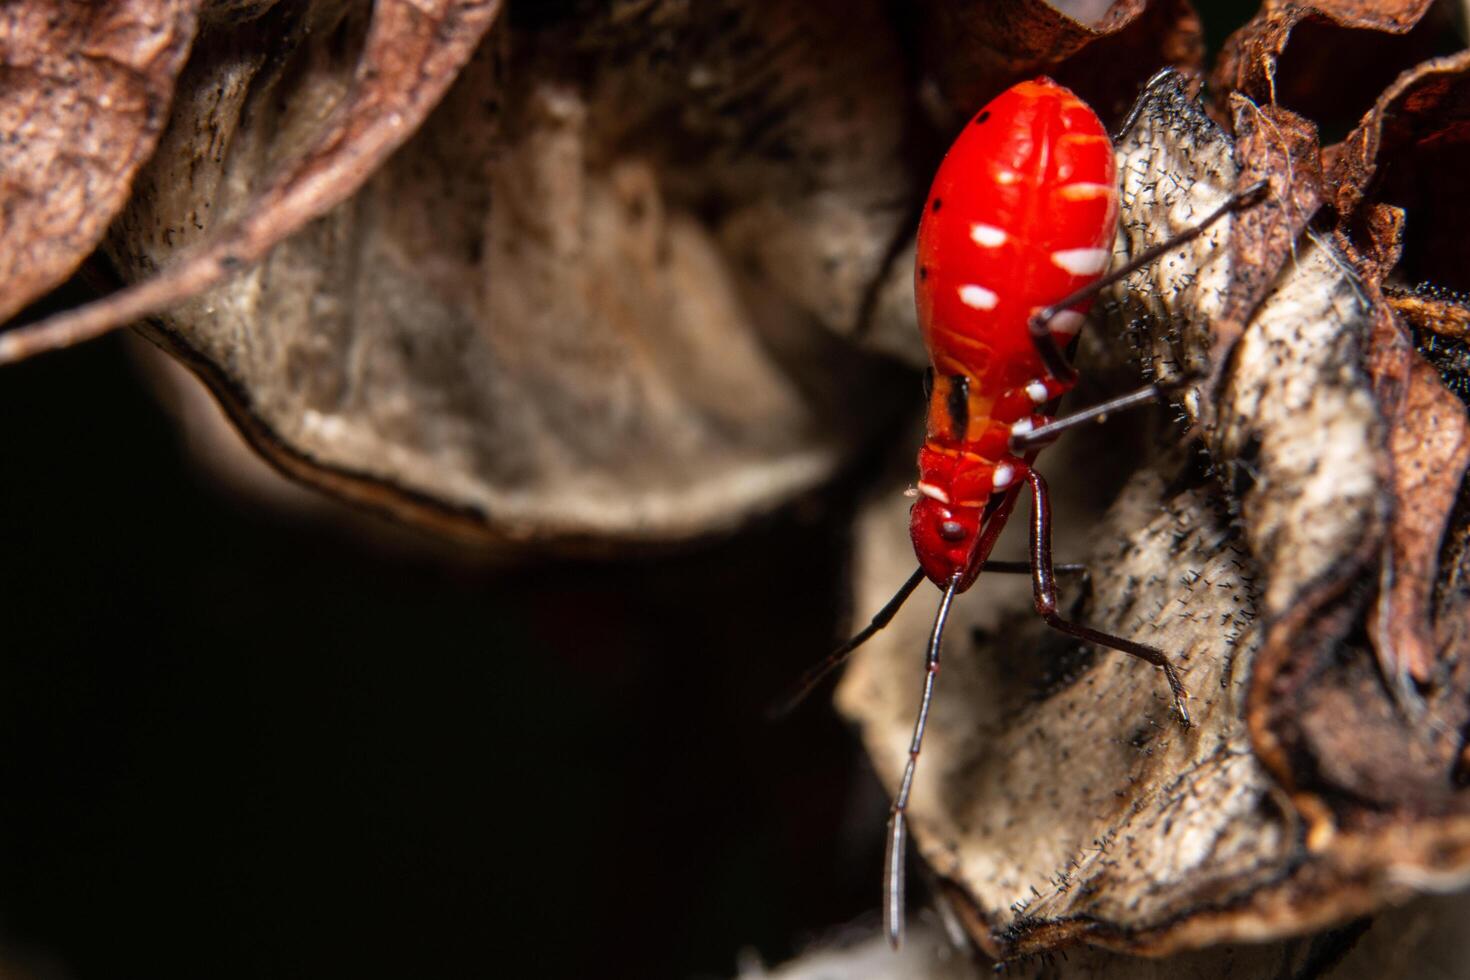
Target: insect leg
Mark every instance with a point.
(1045, 590)
(1047, 349)
(1053, 359)
(1045, 434)
(818, 672)
(1024, 567)
(893, 855)
(815, 674)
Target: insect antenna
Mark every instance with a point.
(838, 657)
(893, 855)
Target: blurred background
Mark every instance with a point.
(237, 743)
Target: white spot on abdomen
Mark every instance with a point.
(1021, 427)
(930, 490)
(988, 236)
(978, 297)
(1084, 192)
(1066, 322)
(1082, 261)
(1036, 391)
(1004, 474)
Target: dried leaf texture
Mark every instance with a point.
(1397, 162)
(975, 50)
(1300, 353)
(1342, 455)
(1430, 449)
(1408, 153)
(1424, 938)
(530, 322)
(1057, 801)
(1292, 54)
(83, 98)
(410, 56)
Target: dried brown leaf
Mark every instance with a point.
(1299, 355)
(412, 53)
(1057, 799)
(1410, 152)
(585, 300)
(1274, 146)
(84, 94)
(976, 49)
(1439, 320)
(1429, 448)
(1279, 147)
(1395, 163)
(802, 128)
(1371, 35)
(1310, 420)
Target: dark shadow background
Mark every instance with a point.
(236, 746)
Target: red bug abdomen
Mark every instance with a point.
(1022, 212)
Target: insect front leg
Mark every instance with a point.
(1044, 320)
(1043, 435)
(1053, 358)
(897, 838)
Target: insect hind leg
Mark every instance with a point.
(1044, 588)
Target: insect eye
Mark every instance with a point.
(952, 531)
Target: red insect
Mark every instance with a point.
(1012, 247)
(1022, 213)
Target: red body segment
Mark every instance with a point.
(1022, 213)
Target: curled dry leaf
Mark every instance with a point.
(1279, 147)
(411, 54)
(1399, 161)
(1292, 53)
(1428, 443)
(1103, 51)
(1409, 153)
(1430, 447)
(528, 322)
(1058, 801)
(1327, 467)
(84, 96)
